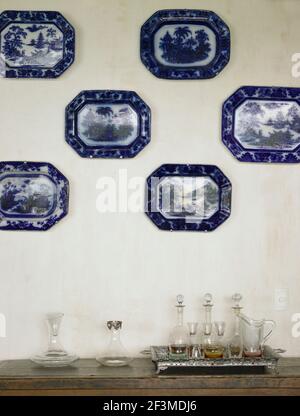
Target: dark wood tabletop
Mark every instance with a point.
(87, 377)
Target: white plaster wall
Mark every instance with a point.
(95, 267)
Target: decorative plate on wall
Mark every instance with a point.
(108, 124)
(188, 197)
(185, 44)
(33, 196)
(35, 44)
(262, 124)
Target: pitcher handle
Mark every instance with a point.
(273, 324)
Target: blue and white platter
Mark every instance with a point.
(262, 124)
(185, 44)
(33, 196)
(188, 197)
(35, 44)
(108, 124)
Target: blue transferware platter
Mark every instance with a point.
(33, 196)
(107, 124)
(188, 197)
(185, 44)
(35, 44)
(262, 124)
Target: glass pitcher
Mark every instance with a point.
(254, 334)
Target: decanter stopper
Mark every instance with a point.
(208, 299)
(114, 324)
(237, 297)
(180, 299)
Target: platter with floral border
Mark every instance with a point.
(188, 197)
(33, 196)
(262, 124)
(107, 124)
(35, 44)
(185, 44)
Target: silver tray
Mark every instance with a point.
(160, 356)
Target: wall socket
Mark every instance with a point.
(281, 299)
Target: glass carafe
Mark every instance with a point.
(179, 336)
(115, 355)
(253, 334)
(55, 356)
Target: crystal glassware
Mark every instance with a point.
(196, 352)
(254, 336)
(115, 355)
(179, 336)
(193, 329)
(214, 342)
(207, 326)
(235, 344)
(55, 356)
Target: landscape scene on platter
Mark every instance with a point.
(181, 44)
(268, 124)
(107, 124)
(32, 44)
(194, 197)
(26, 196)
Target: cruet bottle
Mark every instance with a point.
(235, 345)
(115, 355)
(213, 344)
(179, 336)
(55, 356)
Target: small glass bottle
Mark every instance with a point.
(115, 355)
(235, 345)
(179, 337)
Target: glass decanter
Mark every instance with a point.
(235, 345)
(179, 336)
(55, 356)
(115, 355)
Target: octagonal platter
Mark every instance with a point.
(35, 44)
(185, 44)
(33, 196)
(188, 197)
(108, 124)
(262, 124)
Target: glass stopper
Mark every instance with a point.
(114, 324)
(208, 299)
(237, 297)
(180, 299)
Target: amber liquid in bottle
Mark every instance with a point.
(178, 350)
(214, 351)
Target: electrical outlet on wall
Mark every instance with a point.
(281, 299)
